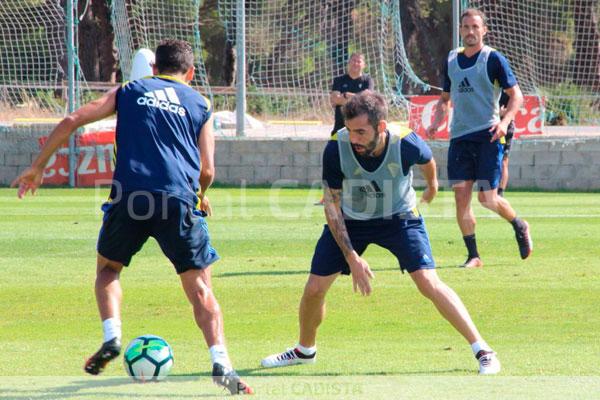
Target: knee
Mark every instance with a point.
(462, 200)
(202, 297)
(429, 287)
(488, 199)
(314, 290)
(106, 273)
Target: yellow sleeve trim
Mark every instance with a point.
(405, 131)
(208, 103)
(172, 78)
(399, 131)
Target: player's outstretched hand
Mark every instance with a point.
(205, 206)
(30, 179)
(361, 274)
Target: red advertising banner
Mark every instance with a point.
(527, 121)
(94, 164)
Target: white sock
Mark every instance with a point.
(307, 351)
(218, 354)
(111, 328)
(480, 345)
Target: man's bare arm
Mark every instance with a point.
(336, 98)
(31, 178)
(430, 174)
(441, 111)
(515, 101)
(335, 219)
(206, 144)
(361, 272)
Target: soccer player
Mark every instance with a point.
(164, 167)
(473, 78)
(347, 85)
(369, 199)
(510, 131)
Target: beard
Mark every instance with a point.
(367, 149)
(470, 41)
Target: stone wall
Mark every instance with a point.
(544, 163)
(18, 145)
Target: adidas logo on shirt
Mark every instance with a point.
(373, 190)
(464, 86)
(165, 99)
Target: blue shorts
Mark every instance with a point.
(179, 229)
(407, 239)
(475, 160)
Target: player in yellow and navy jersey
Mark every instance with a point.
(369, 199)
(475, 76)
(164, 166)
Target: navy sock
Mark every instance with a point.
(471, 244)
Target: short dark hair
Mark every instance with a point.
(356, 54)
(174, 56)
(473, 12)
(367, 102)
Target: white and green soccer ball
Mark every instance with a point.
(148, 358)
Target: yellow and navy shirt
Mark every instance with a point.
(499, 73)
(414, 150)
(159, 120)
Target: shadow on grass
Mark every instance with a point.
(124, 387)
(76, 390)
(260, 273)
(486, 265)
(266, 373)
(307, 271)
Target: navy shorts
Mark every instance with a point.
(479, 161)
(179, 229)
(407, 239)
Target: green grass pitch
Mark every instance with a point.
(541, 315)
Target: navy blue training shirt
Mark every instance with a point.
(344, 84)
(158, 126)
(413, 150)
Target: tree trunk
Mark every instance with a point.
(97, 54)
(427, 39)
(587, 44)
(338, 33)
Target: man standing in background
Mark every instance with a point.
(475, 75)
(345, 86)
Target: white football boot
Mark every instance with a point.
(289, 357)
(488, 362)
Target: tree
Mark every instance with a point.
(97, 54)
(587, 43)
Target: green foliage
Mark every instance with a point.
(571, 103)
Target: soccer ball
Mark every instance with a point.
(148, 358)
